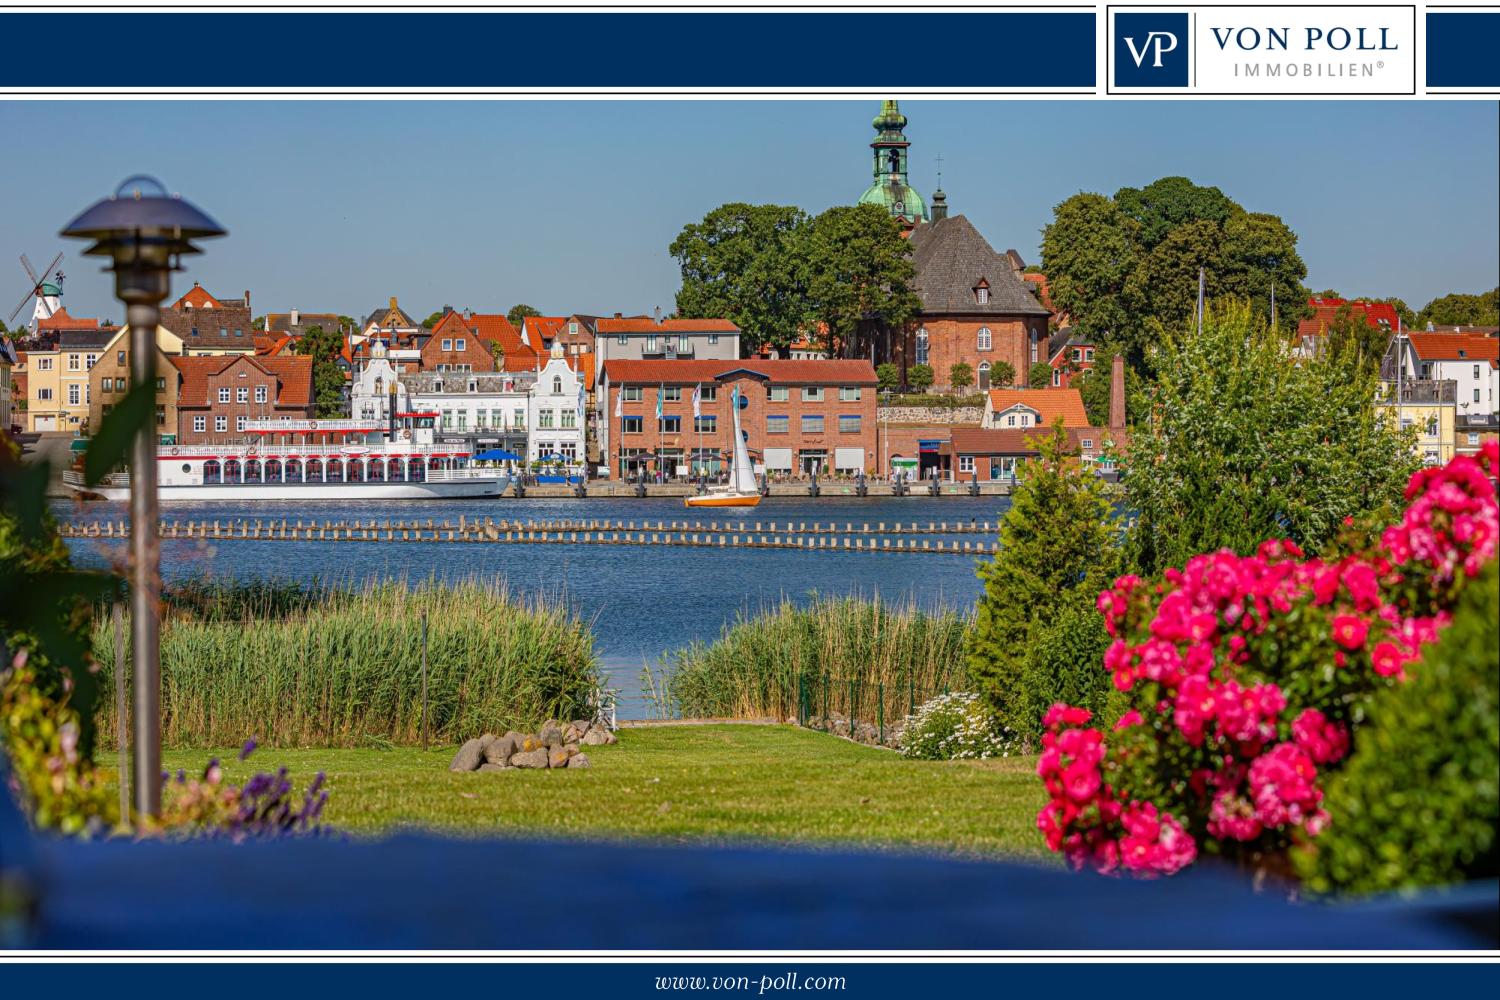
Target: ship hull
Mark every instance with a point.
(724, 500)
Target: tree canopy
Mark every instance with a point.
(1115, 264)
(1246, 442)
(519, 312)
(325, 346)
(1458, 309)
(781, 275)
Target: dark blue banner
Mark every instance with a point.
(954, 52)
(1461, 49)
(763, 978)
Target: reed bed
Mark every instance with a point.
(296, 666)
(841, 654)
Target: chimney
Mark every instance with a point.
(618, 316)
(296, 317)
(447, 309)
(393, 301)
(247, 300)
(1117, 394)
(658, 315)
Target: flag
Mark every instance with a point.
(620, 402)
(697, 401)
(660, 392)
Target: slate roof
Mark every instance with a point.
(83, 338)
(1064, 338)
(282, 322)
(951, 258)
(238, 332)
(404, 319)
(1048, 403)
(685, 371)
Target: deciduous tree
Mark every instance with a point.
(961, 376)
(518, 313)
(1246, 442)
(325, 347)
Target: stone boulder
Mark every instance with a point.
(558, 757)
(529, 758)
(529, 743)
(491, 768)
(551, 735)
(469, 757)
(579, 760)
(499, 750)
(596, 737)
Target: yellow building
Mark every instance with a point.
(1430, 406)
(110, 378)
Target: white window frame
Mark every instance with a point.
(221, 424)
(261, 395)
(200, 424)
(984, 339)
(223, 393)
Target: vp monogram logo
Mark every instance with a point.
(1158, 42)
(1150, 49)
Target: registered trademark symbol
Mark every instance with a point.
(1380, 64)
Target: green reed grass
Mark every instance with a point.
(842, 654)
(296, 666)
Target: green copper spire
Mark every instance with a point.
(890, 188)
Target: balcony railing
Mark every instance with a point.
(1423, 391)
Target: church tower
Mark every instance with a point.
(891, 188)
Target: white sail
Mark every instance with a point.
(742, 475)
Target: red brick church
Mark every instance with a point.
(976, 307)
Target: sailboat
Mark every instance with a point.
(741, 490)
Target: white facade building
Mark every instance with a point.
(1469, 360)
(485, 410)
(556, 412)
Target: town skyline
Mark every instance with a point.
(570, 206)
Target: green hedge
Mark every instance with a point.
(1417, 804)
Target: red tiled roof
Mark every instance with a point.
(1325, 313)
(60, 320)
(197, 297)
(778, 371)
(1048, 403)
(648, 325)
(293, 372)
(585, 364)
(495, 327)
(1454, 347)
(540, 330)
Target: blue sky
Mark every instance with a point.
(570, 206)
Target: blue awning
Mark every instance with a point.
(498, 455)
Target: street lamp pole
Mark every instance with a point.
(145, 232)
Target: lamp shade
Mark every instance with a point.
(142, 212)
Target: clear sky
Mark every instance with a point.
(569, 206)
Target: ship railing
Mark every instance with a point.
(394, 450)
(74, 479)
(461, 475)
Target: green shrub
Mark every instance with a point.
(1057, 541)
(1063, 665)
(920, 377)
(956, 726)
(1417, 804)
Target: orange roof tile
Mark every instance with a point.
(197, 297)
(60, 320)
(495, 327)
(1454, 347)
(293, 372)
(778, 371)
(1048, 403)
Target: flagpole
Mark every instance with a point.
(1200, 301)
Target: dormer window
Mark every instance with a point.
(982, 292)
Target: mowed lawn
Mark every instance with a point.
(716, 782)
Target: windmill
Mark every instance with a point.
(46, 290)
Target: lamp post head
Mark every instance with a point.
(145, 232)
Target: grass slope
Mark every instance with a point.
(723, 782)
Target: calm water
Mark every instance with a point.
(643, 602)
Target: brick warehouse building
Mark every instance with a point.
(220, 394)
(799, 416)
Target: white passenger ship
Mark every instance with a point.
(338, 459)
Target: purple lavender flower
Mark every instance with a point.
(248, 748)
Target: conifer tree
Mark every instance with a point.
(1059, 535)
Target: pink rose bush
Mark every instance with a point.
(1246, 678)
